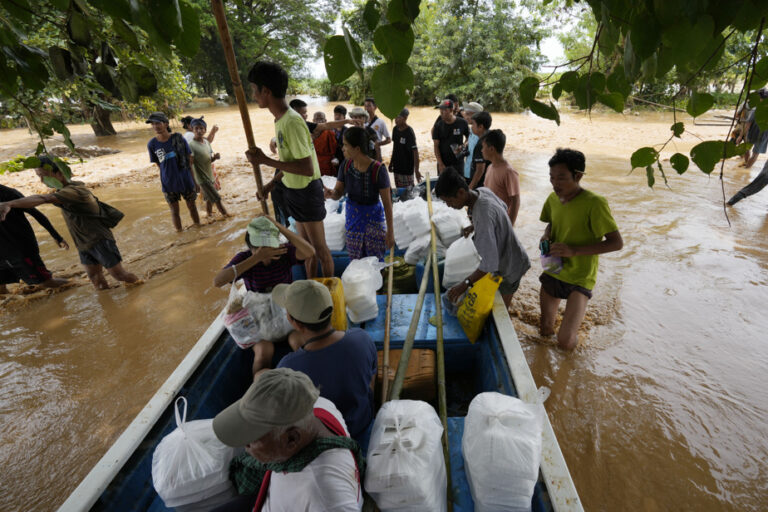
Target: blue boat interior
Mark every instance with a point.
(225, 374)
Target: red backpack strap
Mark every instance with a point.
(347, 165)
(335, 426)
(375, 174)
(263, 490)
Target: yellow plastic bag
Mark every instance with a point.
(339, 316)
(477, 305)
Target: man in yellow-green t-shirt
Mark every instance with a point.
(299, 169)
(579, 228)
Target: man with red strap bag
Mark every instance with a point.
(299, 455)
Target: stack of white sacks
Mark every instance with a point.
(502, 451)
(461, 259)
(360, 280)
(406, 468)
(335, 232)
(412, 230)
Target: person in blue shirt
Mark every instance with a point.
(341, 364)
(173, 157)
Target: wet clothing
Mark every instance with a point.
(403, 144)
(80, 210)
(104, 253)
(294, 142)
(28, 268)
(505, 183)
(450, 137)
(262, 278)
(350, 390)
(561, 289)
(584, 220)
(16, 234)
(754, 186)
(175, 197)
(366, 228)
(495, 239)
(173, 158)
(203, 153)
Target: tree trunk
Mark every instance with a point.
(101, 123)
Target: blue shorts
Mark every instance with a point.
(104, 253)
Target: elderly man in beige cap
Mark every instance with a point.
(298, 453)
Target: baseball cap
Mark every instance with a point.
(404, 113)
(307, 301)
(157, 117)
(473, 107)
(262, 233)
(277, 398)
(445, 104)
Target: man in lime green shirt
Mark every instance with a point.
(579, 228)
(299, 169)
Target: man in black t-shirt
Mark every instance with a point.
(405, 153)
(449, 134)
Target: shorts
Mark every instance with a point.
(104, 253)
(560, 289)
(507, 288)
(404, 180)
(27, 268)
(209, 192)
(175, 197)
(305, 204)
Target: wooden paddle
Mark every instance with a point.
(229, 53)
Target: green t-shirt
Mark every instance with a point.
(584, 220)
(202, 153)
(294, 142)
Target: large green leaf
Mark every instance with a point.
(53, 182)
(106, 78)
(644, 157)
(545, 111)
(146, 83)
(129, 90)
(392, 84)
(630, 60)
(612, 99)
(9, 82)
(588, 89)
(649, 176)
(760, 74)
(60, 127)
(19, 9)
(679, 162)
(126, 33)
(188, 40)
(677, 129)
(706, 154)
(761, 115)
(78, 29)
(61, 62)
(339, 63)
(115, 8)
(569, 80)
(557, 91)
(393, 43)
(617, 82)
(528, 88)
(699, 103)
(31, 162)
(396, 12)
(371, 14)
(166, 16)
(645, 36)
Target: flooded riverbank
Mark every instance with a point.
(660, 408)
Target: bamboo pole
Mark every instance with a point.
(387, 329)
(229, 53)
(397, 384)
(441, 394)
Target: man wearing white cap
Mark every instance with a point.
(341, 364)
(298, 453)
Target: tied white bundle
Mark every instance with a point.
(461, 259)
(361, 279)
(335, 232)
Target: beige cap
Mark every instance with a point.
(473, 107)
(307, 301)
(277, 398)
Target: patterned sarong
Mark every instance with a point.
(366, 230)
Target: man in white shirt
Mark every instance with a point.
(378, 125)
(280, 415)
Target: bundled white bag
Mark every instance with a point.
(190, 465)
(461, 259)
(417, 216)
(360, 280)
(403, 236)
(502, 450)
(448, 223)
(418, 250)
(269, 317)
(335, 230)
(406, 469)
(239, 321)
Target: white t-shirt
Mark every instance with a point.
(328, 484)
(188, 136)
(380, 127)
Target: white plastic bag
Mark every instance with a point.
(361, 279)
(403, 235)
(269, 317)
(502, 450)
(461, 259)
(448, 225)
(335, 231)
(190, 464)
(417, 217)
(406, 469)
(239, 321)
(418, 249)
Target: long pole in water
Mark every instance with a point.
(397, 385)
(441, 395)
(387, 329)
(229, 53)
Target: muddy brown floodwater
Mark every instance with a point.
(662, 407)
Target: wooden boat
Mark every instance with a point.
(216, 372)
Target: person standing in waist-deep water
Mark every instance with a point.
(299, 169)
(19, 253)
(171, 153)
(202, 159)
(84, 217)
(405, 153)
(579, 228)
(365, 180)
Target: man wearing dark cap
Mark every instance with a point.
(405, 152)
(325, 351)
(173, 157)
(298, 452)
(449, 135)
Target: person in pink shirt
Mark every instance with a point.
(500, 177)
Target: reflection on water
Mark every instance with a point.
(661, 408)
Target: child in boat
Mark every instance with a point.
(369, 198)
(579, 228)
(202, 159)
(495, 240)
(264, 265)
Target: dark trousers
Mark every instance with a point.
(755, 186)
